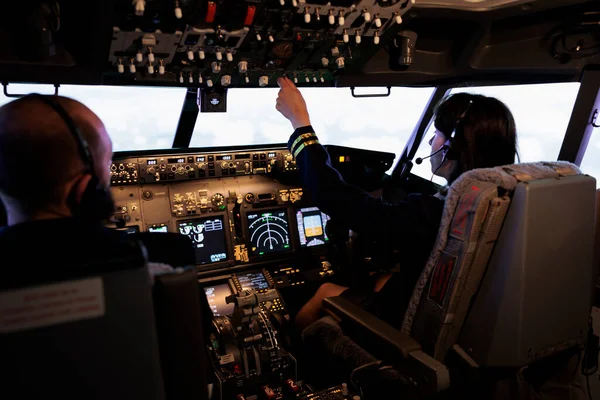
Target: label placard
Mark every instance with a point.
(52, 304)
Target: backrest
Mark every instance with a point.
(92, 336)
(181, 319)
(536, 297)
(475, 211)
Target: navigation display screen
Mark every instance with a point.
(311, 226)
(269, 232)
(253, 281)
(216, 299)
(208, 236)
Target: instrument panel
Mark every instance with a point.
(239, 208)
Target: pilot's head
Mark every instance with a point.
(44, 170)
(471, 131)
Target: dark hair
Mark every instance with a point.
(485, 136)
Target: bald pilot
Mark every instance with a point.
(55, 157)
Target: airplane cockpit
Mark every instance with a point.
(506, 305)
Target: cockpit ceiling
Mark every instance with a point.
(471, 5)
(250, 43)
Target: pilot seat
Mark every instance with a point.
(501, 310)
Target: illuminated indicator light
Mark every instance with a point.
(210, 14)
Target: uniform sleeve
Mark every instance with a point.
(351, 205)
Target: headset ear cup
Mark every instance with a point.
(448, 153)
(96, 202)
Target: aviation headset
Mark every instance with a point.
(96, 201)
(451, 152)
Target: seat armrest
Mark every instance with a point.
(389, 344)
(393, 342)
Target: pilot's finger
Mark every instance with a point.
(291, 83)
(282, 82)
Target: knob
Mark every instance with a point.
(201, 54)
(190, 55)
(218, 200)
(340, 62)
(291, 386)
(209, 82)
(219, 55)
(216, 67)
(150, 69)
(226, 80)
(344, 389)
(325, 61)
(367, 16)
(335, 51)
(229, 56)
(331, 18)
(263, 81)
(269, 393)
(243, 67)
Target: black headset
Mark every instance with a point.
(96, 201)
(451, 153)
(447, 147)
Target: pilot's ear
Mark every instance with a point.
(77, 190)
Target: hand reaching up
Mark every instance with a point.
(291, 104)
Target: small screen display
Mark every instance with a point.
(311, 226)
(130, 229)
(253, 281)
(216, 299)
(225, 158)
(151, 162)
(177, 160)
(158, 228)
(201, 158)
(269, 232)
(208, 236)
